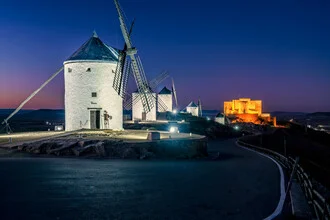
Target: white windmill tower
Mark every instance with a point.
(135, 101)
(165, 96)
(192, 108)
(90, 101)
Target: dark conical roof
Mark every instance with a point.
(165, 91)
(95, 49)
(192, 104)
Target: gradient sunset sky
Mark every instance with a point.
(276, 51)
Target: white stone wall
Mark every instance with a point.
(137, 108)
(167, 101)
(193, 111)
(79, 85)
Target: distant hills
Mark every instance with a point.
(33, 115)
(59, 114)
(6, 112)
(319, 114)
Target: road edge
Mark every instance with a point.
(280, 204)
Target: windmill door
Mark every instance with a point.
(95, 119)
(144, 116)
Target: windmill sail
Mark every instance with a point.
(152, 84)
(138, 72)
(174, 93)
(123, 70)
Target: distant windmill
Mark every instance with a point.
(119, 85)
(152, 85)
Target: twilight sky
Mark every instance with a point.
(277, 51)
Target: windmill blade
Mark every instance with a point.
(138, 72)
(128, 103)
(135, 100)
(160, 78)
(162, 105)
(122, 70)
(153, 84)
(5, 121)
(118, 73)
(174, 93)
(127, 72)
(160, 102)
(144, 90)
(199, 108)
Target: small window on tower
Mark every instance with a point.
(69, 70)
(94, 94)
(88, 70)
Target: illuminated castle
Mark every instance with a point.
(247, 110)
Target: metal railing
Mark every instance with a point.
(319, 204)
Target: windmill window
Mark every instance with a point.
(69, 70)
(88, 70)
(94, 94)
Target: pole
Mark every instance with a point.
(32, 95)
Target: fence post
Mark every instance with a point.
(291, 178)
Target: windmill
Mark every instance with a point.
(152, 85)
(145, 93)
(123, 70)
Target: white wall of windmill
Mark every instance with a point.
(137, 109)
(81, 80)
(166, 101)
(192, 110)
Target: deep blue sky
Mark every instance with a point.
(277, 51)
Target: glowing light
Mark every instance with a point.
(174, 111)
(174, 129)
(236, 127)
(59, 128)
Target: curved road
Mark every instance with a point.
(239, 185)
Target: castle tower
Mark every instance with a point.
(165, 100)
(90, 100)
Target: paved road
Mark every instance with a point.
(240, 185)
